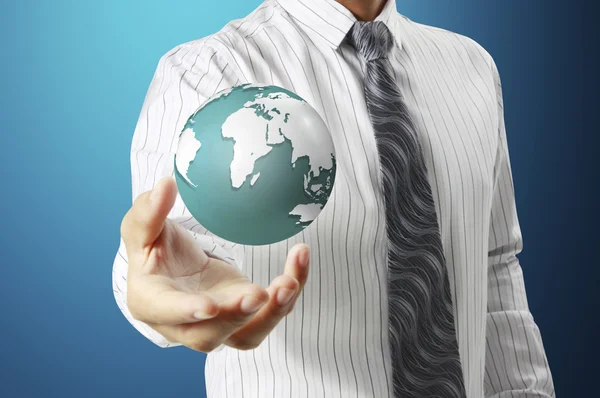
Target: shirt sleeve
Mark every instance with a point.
(516, 364)
(184, 78)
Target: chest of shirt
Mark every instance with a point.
(449, 94)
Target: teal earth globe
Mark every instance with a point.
(255, 164)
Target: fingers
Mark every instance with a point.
(283, 293)
(208, 334)
(251, 334)
(242, 316)
(159, 303)
(144, 221)
(240, 299)
(197, 336)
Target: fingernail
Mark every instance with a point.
(200, 315)
(303, 257)
(284, 296)
(250, 304)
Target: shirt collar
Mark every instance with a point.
(332, 21)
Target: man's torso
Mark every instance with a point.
(334, 344)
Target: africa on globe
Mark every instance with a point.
(255, 164)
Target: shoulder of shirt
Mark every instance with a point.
(470, 45)
(229, 43)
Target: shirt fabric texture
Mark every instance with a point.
(335, 341)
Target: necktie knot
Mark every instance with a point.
(371, 39)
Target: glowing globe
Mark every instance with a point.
(255, 164)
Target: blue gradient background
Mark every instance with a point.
(73, 75)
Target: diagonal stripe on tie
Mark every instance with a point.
(424, 349)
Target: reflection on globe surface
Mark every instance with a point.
(255, 164)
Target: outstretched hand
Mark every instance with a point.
(194, 299)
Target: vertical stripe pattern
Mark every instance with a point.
(335, 343)
(424, 349)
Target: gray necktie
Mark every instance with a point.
(425, 357)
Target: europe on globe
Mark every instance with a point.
(255, 164)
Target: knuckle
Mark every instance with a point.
(297, 285)
(259, 292)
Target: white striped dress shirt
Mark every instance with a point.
(335, 342)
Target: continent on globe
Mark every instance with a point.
(255, 164)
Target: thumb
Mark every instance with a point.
(144, 222)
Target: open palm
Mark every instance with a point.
(190, 297)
